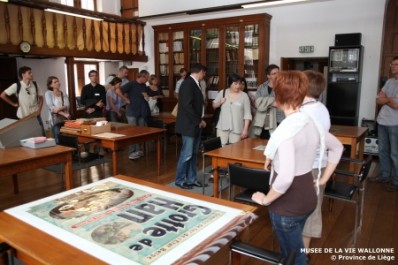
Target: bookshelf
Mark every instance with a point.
(229, 45)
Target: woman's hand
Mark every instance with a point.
(258, 197)
(267, 164)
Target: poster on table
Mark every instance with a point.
(121, 222)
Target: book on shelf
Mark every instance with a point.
(179, 35)
(163, 36)
(213, 81)
(163, 47)
(164, 58)
(177, 46)
(179, 58)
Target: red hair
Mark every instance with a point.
(290, 88)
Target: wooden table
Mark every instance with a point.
(16, 160)
(241, 152)
(132, 135)
(352, 136)
(33, 246)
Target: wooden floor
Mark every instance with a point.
(380, 223)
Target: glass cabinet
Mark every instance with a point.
(225, 46)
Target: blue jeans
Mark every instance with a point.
(288, 230)
(135, 121)
(388, 152)
(186, 166)
(56, 129)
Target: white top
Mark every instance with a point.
(233, 114)
(320, 114)
(27, 98)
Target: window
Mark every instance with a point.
(83, 4)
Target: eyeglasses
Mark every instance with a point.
(393, 64)
(27, 91)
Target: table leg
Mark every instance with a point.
(158, 147)
(215, 177)
(114, 162)
(15, 183)
(68, 171)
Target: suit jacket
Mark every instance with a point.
(190, 108)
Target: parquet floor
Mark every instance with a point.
(380, 219)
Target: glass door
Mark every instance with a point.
(163, 49)
(195, 46)
(212, 57)
(231, 52)
(178, 54)
(250, 53)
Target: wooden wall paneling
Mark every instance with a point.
(26, 24)
(15, 36)
(97, 35)
(3, 17)
(105, 36)
(126, 34)
(112, 37)
(120, 37)
(70, 32)
(79, 33)
(59, 31)
(38, 28)
(133, 35)
(89, 35)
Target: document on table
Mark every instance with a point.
(109, 135)
(259, 147)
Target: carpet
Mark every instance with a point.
(209, 188)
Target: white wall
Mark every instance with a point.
(314, 23)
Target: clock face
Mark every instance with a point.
(24, 46)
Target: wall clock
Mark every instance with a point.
(24, 46)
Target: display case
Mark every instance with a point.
(225, 46)
(344, 84)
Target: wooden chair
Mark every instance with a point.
(239, 248)
(349, 187)
(251, 179)
(209, 145)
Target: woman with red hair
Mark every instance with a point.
(290, 154)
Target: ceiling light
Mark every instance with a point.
(272, 3)
(3, 0)
(71, 14)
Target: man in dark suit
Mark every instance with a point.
(189, 124)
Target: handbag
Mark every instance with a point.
(217, 111)
(58, 119)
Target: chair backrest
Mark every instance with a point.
(211, 144)
(249, 178)
(365, 168)
(156, 123)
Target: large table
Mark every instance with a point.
(19, 159)
(33, 246)
(131, 135)
(352, 136)
(242, 152)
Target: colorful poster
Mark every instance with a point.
(122, 222)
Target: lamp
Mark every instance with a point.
(272, 3)
(3, 0)
(71, 14)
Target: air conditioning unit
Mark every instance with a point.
(371, 146)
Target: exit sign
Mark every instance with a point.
(306, 49)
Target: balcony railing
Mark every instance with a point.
(52, 34)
